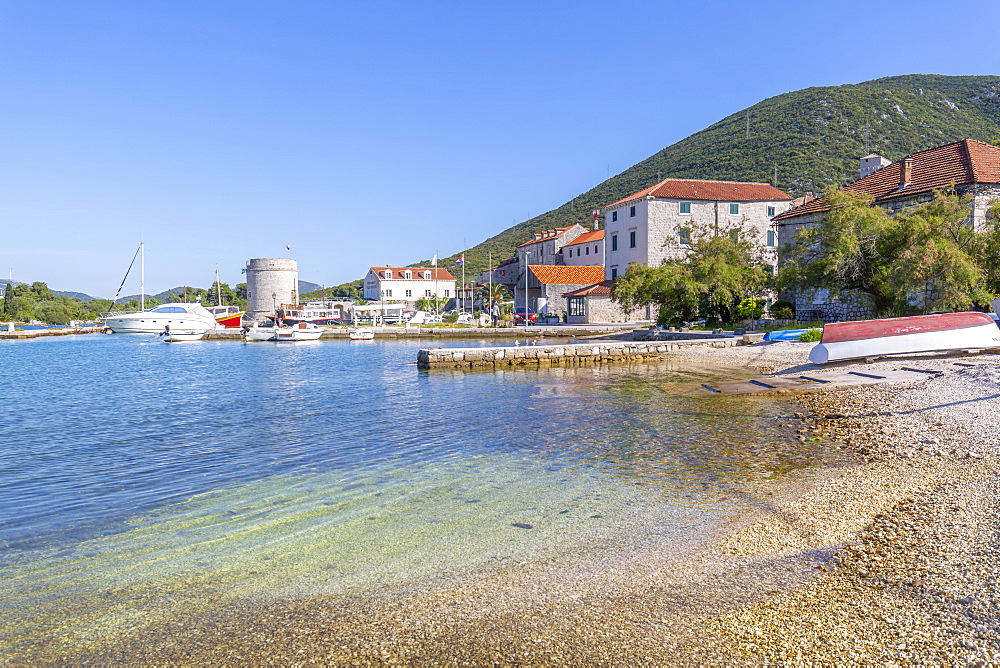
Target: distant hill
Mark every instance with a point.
(74, 295)
(810, 138)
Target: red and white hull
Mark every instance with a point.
(899, 336)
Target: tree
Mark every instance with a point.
(718, 272)
(924, 258)
(496, 293)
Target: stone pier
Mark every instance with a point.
(566, 354)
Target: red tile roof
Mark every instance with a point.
(546, 235)
(725, 191)
(587, 238)
(550, 274)
(602, 288)
(959, 163)
(418, 273)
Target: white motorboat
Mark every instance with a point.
(899, 336)
(258, 333)
(302, 331)
(179, 337)
(361, 334)
(179, 316)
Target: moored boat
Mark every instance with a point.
(361, 334)
(179, 337)
(303, 331)
(899, 336)
(259, 333)
(227, 316)
(180, 316)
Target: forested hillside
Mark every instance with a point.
(811, 139)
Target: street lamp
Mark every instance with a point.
(526, 254)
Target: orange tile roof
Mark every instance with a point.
(588, 237)
(725, 191)
(959, 163)
(546, 235)
(550, 274)
(437, 274)
(602, 288)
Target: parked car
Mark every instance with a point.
(520, 314)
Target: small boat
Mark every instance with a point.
(303, 331)
(361, 334)
(226, 316)
(899, 336)
(259, 333)
(785, 335)
(178, 337)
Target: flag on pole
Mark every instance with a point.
(434, 260)
(461, 259)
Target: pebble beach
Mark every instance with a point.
(887, 557)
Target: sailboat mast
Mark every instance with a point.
(218, 287)
(142, 276)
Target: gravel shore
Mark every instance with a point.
(891, 558)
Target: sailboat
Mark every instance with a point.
(179, 316)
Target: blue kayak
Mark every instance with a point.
(785, 335)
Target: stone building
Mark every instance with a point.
(592, 304)
(969, 167)
(657, 223)
(547, 284)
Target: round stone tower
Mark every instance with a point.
(271, 282)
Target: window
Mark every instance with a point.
(614, 242)
(388, 293)
(771, 211)
(684, 236)
(595, 250)
(734, 235)
(734, 208)
(427, 293)
(631, 239)
(386, 274)
(614, 273)
(446, 293)
(409, 293)
(769, 268)
(770, 237)
(631, 212)
(614, 216)
(427, 275)
(588, 250)
(575, 306)
(685, 207)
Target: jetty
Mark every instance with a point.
(591, 352)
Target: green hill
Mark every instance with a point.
(811, 138)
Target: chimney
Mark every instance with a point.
(907, 174)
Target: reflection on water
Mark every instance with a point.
(139, 478)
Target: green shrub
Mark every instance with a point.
(750, 308)
(811, 335)
(783, 310)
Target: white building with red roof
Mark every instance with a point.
(657, 223)
(586, 250)
(408, 284)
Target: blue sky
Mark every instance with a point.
(381, 132)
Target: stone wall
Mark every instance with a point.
(600, 309)
(569, 354)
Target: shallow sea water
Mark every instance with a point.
(139, 479)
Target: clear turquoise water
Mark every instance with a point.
(137, 477)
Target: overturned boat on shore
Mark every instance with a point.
(939, 332)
